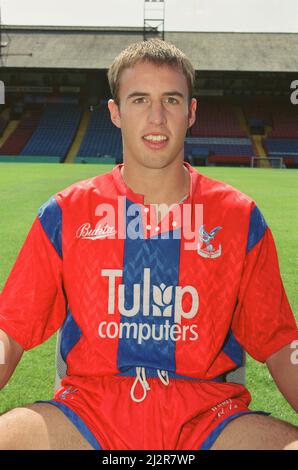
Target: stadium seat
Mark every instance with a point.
(102, 138)
(284, 122)
(216, 118)
(23, 132)
(55, 131)
(285, 148)
(220, 149)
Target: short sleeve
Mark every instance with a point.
(33, 303)
(263, 321)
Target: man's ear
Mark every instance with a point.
(192, 112)
(115, 113)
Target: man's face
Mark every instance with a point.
(153, 101)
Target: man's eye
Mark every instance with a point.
(172, 100)
(139, 100)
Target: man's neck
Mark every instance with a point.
(159, 186)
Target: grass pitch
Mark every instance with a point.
(25, 187)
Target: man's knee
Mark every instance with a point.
(257, 432)
(292, 446)
(39, 426)
(18, 428)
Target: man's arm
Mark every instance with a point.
(10, 355)
(283, 366)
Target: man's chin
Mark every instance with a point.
(158, 162)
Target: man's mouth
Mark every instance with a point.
(155, 137)
(156, 141)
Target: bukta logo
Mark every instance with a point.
(68, 393)
(86, 232)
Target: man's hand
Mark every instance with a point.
(283, 366)
(10, 355)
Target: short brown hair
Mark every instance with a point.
(155, 51)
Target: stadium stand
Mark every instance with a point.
(220, 149)
(217, 136)
(257, 113)
(16, 141)
(286, 148)
(241, 94)
(55, 132)
(284, 121)
(216, 118)
(102, 138)
(221, 139)
(282, 139)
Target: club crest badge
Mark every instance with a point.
(206, 249)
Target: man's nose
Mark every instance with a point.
(157, 113)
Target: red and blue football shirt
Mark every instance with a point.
(129, 291)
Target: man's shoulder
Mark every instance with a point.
(99, 185)
(222, 194)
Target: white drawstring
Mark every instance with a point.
(141, 377)
(163, 376)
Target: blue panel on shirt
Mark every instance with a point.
(233, 349)
(257, 228)
(161, 256)
(50, 216)
(70, 335)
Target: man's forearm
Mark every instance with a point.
(10, 354)
(283, 366)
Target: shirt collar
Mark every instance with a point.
(125, 190)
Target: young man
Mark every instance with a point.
(155, 302)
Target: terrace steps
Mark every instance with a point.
(10, 128)
(73, 151)
(257, 140)
(241, 119)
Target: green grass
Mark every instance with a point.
(25, 187)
